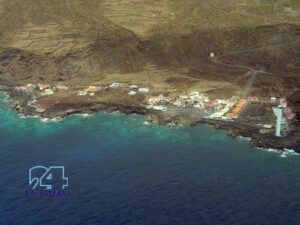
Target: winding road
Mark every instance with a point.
(251, 71)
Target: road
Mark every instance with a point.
(252, 72)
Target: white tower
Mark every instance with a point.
(278, 121)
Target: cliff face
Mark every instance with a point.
(61, 40)
(167, 33)
(78, 41)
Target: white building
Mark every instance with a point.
(220, 113)
(267, 126)
(82, 93)
(160, 108)
(132, 93)
(143, 90)
(134, 87)
(178, 103)
(118, 85)
(195, 93)
(183, 97)
(273, 99)
(48, 92)
(199, 106)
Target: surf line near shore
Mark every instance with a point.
(175, 115)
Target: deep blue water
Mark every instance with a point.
(123, 172)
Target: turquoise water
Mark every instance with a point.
(123, 172)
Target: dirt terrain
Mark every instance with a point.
(164, 45)
(88, 40)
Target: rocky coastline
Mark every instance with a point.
(234, 129)
(240, 129)
(75, 50)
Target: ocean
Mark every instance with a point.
(121, 171)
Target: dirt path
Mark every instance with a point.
(217, 60)
(252, 72)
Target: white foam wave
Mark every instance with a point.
(52, 120)
(245, 138)
(283, 154)
(85, 114)
(28, 116)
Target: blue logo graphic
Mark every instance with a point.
(48, 178)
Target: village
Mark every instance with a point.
(195, 105)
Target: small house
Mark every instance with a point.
(267, 126)
(91, 89)
(43, 86)
(118, 85)
(82, 93)
(22, 88)
(179, 103)
(153, 100)
(61, 87)
(183, 97)
(48, 92)
(143, 90)
(160, 108)
(131, 92)
(273, 99)
(133, 87)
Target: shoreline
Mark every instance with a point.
(258, 140)
(233, 129)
